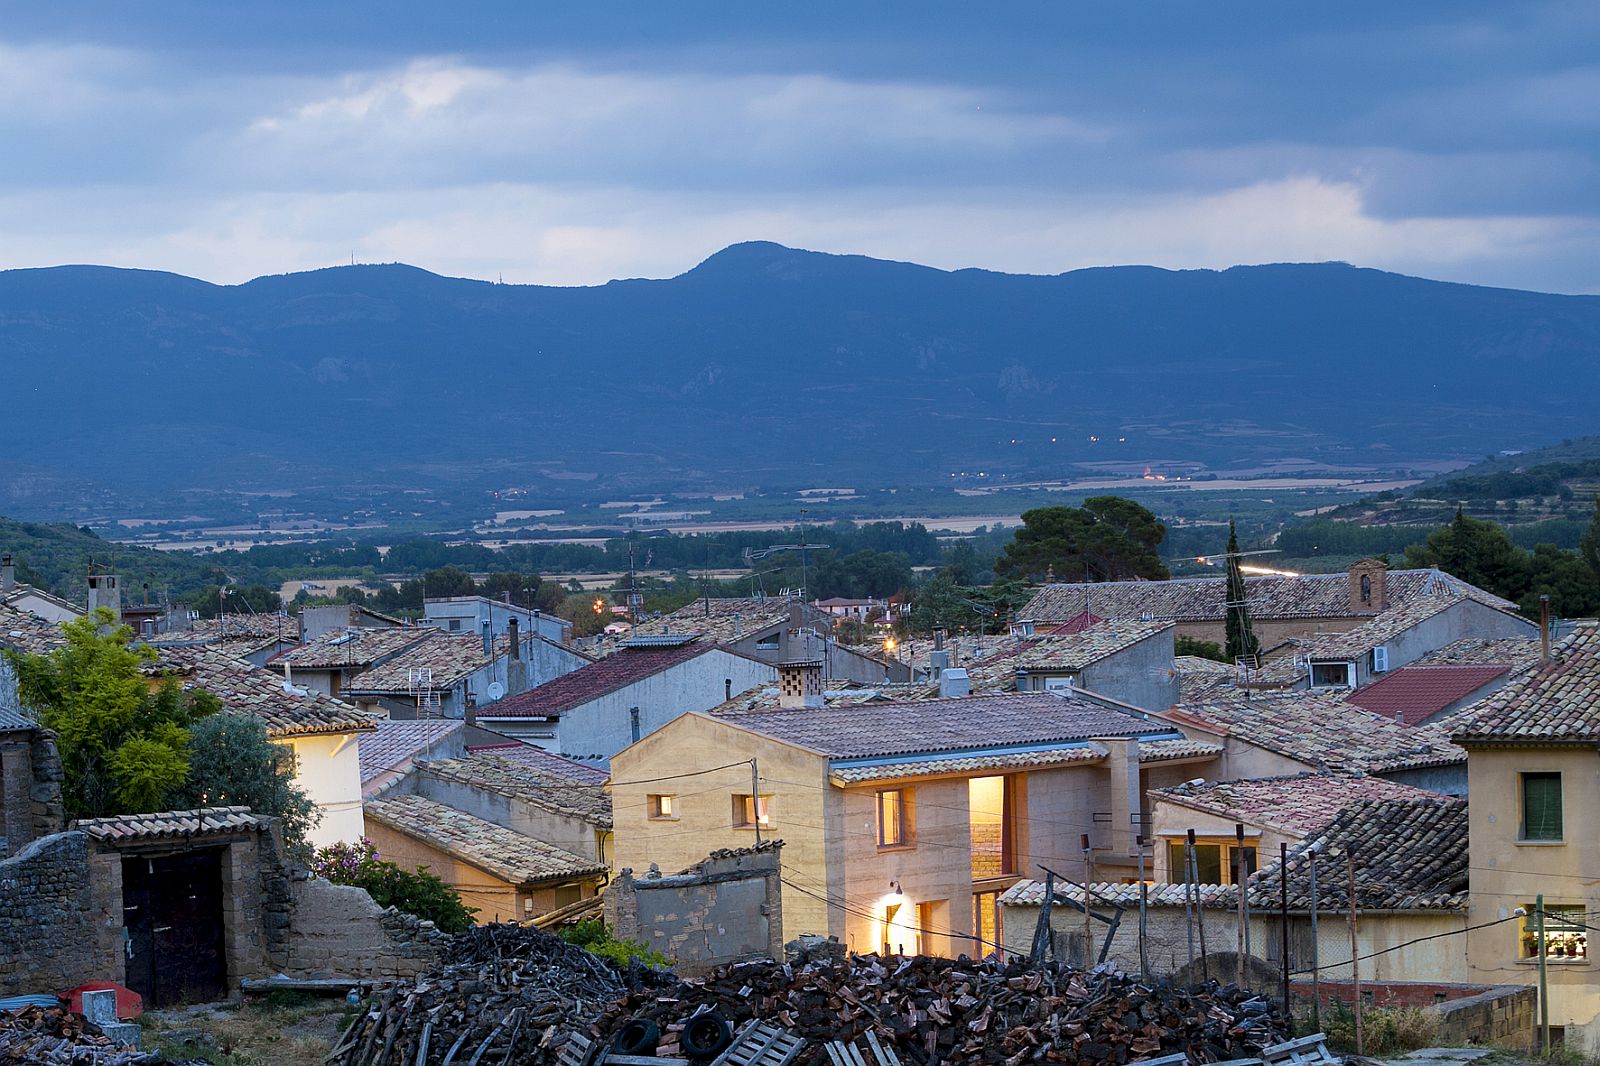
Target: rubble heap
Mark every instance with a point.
(941, 1010)
(502, 989)
(55, 1035)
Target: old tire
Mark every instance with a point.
(705, 1036)
(638, 1037)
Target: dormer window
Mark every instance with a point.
(1333, 675)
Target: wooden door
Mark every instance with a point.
(172, 909)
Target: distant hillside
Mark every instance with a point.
(768, 366)
(56, 557)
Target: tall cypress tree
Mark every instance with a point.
(1242, 642)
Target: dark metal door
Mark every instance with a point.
(172, 909)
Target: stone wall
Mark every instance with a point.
(1503, 1015)
(30, 788)
(52, 930)
(338, 931)
(725, 908)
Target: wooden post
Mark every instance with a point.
(1088, 927)
(755, 789)
(1355, 950)
(1144, 908)
(1041, 931)
(1283, 917)
(1238, 887)
(1199, 910)
(1188, 902)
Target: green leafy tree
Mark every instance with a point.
(1478, 551)
(448, 581)
(124, 748)
(592, 935)
(523, 588)
(417, 892)
(861, 575)
(1107, 539)
(233, 762)
(940, 602)
(1240, 631)
(1203, 649)
(1589, 546)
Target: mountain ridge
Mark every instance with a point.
(762, 364)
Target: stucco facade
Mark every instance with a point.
(1509, 872)
(327, 768)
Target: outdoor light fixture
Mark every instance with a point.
(896, 886)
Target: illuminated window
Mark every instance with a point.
(892, 828)
(1564, 934)
(752, 811)
(986, 923)
(990, 814)
(1541, 806)
(663, 806)
(1215, 862)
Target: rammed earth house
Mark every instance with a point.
(902, 822)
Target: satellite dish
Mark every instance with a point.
(495, 690)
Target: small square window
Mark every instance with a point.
(1541, 807)
(1330, 675)
(750, 812)
(663, 807)
(1565, 935)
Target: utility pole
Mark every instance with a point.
(1144, 909)
(1316, 948)
(1355, 950)
(1283, 917)
(1188, 903)
(1088, 928)
(1199, 910)
(755, 797)
(1544, 983)
(1238, 887)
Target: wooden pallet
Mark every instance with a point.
(1305, 1049)
(760, 1044)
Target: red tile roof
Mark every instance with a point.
(616, 671)
(1076, 624)
(1417, 693)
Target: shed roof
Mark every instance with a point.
(953, 724)
(559, 792)
(395, 743)
(515, 857)
(1413, 694)
(594, 680)
(1556, 702)
(170, 825)
(356, 648)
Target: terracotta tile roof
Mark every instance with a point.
(834, 694)
(545, 762)
(1519, 653)
(1196, 664)
(1195, 599)
(169, 825)
(561, 793)
(1323, 731)
(1411, 854)
(723, 620)
(1031, 894)
(28, 633)
(1088, 752)
(1069, 651)
(395, 743)
(1389, 623)
(1299, 804)
(956, 724)
(247, 689)
(1414, 693)
(1076, 624)
(12, 721)
(616, 671)
(354, 649)
(450, 657)
(509, 855)
(1557, 701)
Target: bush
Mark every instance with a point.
(418, 893)
(1204, 649)
(1384, 1029)
(592, 936)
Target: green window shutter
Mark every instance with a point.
(1541, 806)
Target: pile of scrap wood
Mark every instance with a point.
(503, 987)
(928, 1010)
(50, 1035)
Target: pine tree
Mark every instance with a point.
(1241, 634)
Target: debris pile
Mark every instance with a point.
(930, 1010)
(52, 1035)
(504, 987)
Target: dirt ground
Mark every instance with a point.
(282, 1030)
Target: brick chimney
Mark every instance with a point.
(1367, 594)
(800, 683)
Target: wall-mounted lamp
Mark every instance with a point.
(896, 886)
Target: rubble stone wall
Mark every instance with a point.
(725, 908)
(338, 931)
(1503, 1015)
(53, 934)
(30, 788)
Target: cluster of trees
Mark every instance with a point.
(126, 749)
(1483, 553)
(1107, 539)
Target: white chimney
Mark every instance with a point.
(800, 684)
(954, 682)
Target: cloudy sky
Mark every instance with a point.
(574, 143)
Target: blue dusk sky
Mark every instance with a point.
(573, 143)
